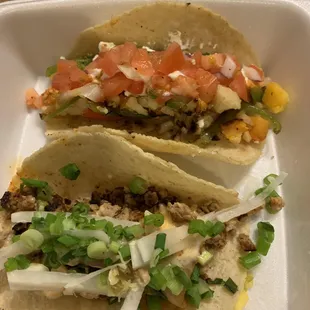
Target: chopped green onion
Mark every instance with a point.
(109, 229)
(125, 252)
(208, 294)
(182, 277)
(265, 237)
(48, 246)
(57, 227)
(50, 219)
(114, 247)
(250, 260)
(41, 204)
(117, 232)
(107, 262)
(175, 286)
(34, 183)
(138, 186)
(68, 224)
(80, 252)
(163, 254)
(175, 104)
(193, 296)
(157, 281)
(197, 226)
(204, 257)
(81, 208)
(68, 241)
(154, 219)
(203, 288)
(216, 281)
(16, 263)
(82, 62)
(153, 302)
(70, 171)
(32, 238)
(217, 228)
(100, 224)
(135, 231)
(44, 194)
(257, 94)
(160, 241)
(195, 274)
(96, 250)
(103, 278)
(231, 286)
(51, 260)
(208, 225)
(15, 238)
(65, 259)
(267, 181)
(50, 70)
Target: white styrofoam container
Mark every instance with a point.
(34, 34)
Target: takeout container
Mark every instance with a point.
(34, 34)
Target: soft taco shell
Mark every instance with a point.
(107, 161)
(155, 26)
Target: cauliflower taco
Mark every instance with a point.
(182, 80)
(93, 216)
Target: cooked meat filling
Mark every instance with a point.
(276, 203)
(246, 243)
(217, 243)
(181, 212)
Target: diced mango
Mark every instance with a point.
(259, 128)
(242, 301)
(233, 131)
(275, 98)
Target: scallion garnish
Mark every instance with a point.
(265, 237)
(107, 262)
(250, 260)
(157, 281)
(138, 186)
(32, 238)
(34, 183)
(135, 231)
(18, 262)
(193, 296)
(216, 281)
(199, 227)
(50, 70)
(114, 247)
(68, 241)
(96, 250)
(70, 171)
(160, 241)
(125, 252)
(231, 286)
(195, 274)
(204, 257)
(154, 219)
(51, 260)
(216, 229)
(182, 277)
(80, 208)
(57, 227)
(101, 224)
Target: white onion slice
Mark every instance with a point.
(12, 250)
(26, 217)
(91, 91)
(252, 73)
(132, 74)
(255, 202)
(98, 234)
(133, 299)
(229, 67)
(71, 286)
(136, 258)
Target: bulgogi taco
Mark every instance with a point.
(92, 215)
(189, 84)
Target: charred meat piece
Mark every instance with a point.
(19, 228)
(230, 227)
(210, 206)
(13, 202)
(181, 212)
(57, 203)
(246, 243)
(95, 198)
(276, 203)
(116, 196)
(218, 242)
(151, 198)
(136, 215)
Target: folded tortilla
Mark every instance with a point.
(106, 162)
(156, 25)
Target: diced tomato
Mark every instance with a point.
(110, 61)
(213, 63)
(238, 85)
(142, 63)
(197, 56)
(64, 65)
(161, 81)
(185, 86)
(93, 115)
(222, 79)
(115, 85)
(173, 59)
(189, 69)
(163, 99)
(127, 52)
(156, 58)
(207, 85)
(136, 87)
(33, 99)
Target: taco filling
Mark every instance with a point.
(170, 94)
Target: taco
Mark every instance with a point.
(170, 78)
(92, 215)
